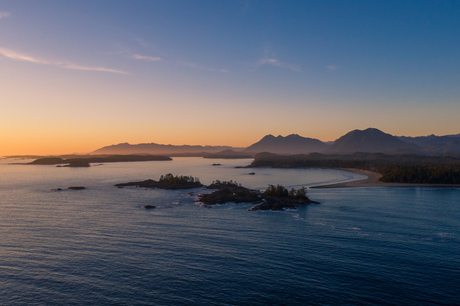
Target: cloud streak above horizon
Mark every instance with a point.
(276, 63)
(11, 54)
(199, 67)
(271, 60)
(146, 57)
(4, 14)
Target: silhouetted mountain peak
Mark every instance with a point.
(269, 137)
(294, 136)
(371, 140)
(291, 144)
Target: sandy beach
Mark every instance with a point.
(372, 180)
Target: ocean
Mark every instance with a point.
(99, 246)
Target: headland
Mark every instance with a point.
(372, 180)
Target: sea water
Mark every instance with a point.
(360, 246)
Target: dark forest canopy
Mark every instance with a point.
(273, 198)
(167, 181)
(408, 168)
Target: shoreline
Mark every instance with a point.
(372, 180)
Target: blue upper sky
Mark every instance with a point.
(225, 72)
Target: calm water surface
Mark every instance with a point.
(360, 246)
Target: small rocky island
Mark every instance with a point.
(69, 188)
(76, 188)
(167, 181)
(75, 163)
(273, 198)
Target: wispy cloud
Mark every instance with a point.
(21, 57)
(86, 68)
(167, 59)
(276, 63)
(4, 14)
(199, 67)
(271, 60)
(146, 58)
(66, 65)
(141, 42)
(332, 68)
(129, 54)
(245, 8)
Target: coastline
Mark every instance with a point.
(372, 180)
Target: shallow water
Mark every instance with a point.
(99, 246)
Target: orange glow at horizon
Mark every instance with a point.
(81, 142)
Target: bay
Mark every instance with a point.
(99, 246)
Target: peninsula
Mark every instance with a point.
(85, 160)
(393, 170)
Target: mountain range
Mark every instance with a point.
(432, 144)
(154, 148)
(370, 140)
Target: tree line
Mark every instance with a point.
(394, 168)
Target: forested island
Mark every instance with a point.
(408, 168)
(167, 181)
(273, 198)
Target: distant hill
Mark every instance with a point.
(228, 154)
(432, 144)
(153, 148)
(450, 147)
(292, 144)
(371, 141)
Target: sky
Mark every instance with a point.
(79, 75)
